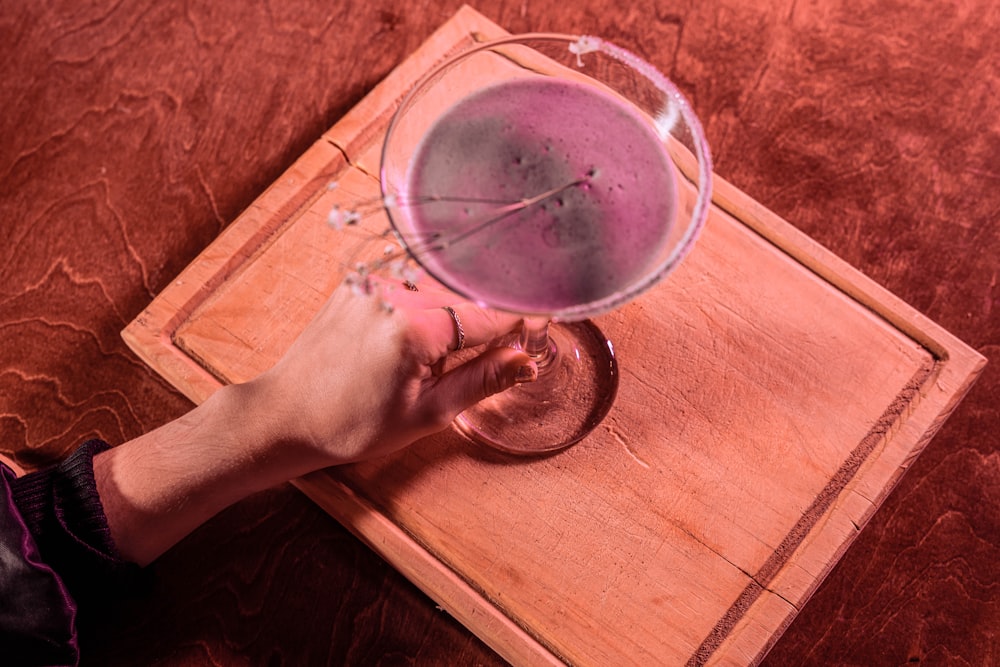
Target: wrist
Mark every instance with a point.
(270, 420)
(158, 487)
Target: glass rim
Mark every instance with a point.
(586, 44)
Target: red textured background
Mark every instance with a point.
(132, 132)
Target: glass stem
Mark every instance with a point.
(535, 341)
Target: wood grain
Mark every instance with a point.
(133, 134)
(787, 390)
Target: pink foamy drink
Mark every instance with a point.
(538, 194)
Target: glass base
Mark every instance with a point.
(570, 397)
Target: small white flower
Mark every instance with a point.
(585, 44)
(396, 268)
(667, 119)
(338, 218)
(335, 218)
(410, 273)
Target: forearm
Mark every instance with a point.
(161, 486)
(361, 381)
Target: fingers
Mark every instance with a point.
(428, 294)
(495, 370)
(445, 321)
(477, 325)
(437, 317)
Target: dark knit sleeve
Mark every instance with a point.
(37, 614)
(63, 513)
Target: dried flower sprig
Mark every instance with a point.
(398, 260)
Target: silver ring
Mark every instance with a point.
(458, 327)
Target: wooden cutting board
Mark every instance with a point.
(770, 398)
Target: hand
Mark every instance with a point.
(365, 376)
(362, 380)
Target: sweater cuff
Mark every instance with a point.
(63, 511)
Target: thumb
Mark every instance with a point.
(490, 373)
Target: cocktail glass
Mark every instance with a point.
(557, 177)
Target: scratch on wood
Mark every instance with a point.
(350, 162)
(625, 445)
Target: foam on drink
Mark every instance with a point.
(538, 194)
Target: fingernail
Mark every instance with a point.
(526, 373)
